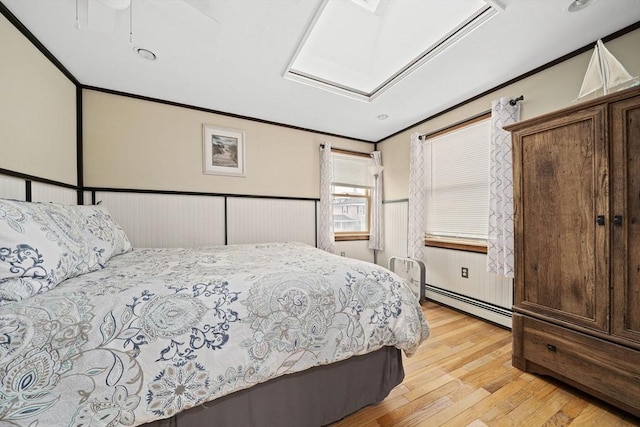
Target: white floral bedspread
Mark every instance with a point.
(162, 330)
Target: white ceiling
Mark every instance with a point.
(234, 60)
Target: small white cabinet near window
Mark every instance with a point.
(351, 190)
(457, 183)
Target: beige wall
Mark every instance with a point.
(549, 90)
(37, 111)
(131, 143)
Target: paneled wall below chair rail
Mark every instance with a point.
(12, 188)
(160, 220)
(16, 188)
(395, 220)
(483, 294)
(174, 220)
(358, 249)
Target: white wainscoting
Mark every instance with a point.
(173, 220)
(444, 271)
(483, 294)
(87, 197)
(395, 232)
(41, 192)
(357, 249)
(159, 220)
(259, 220)
(12, 188)
(15, 188)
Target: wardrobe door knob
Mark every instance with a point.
(617, 220)
(600, 219)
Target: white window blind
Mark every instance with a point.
(457, 182)
(352, 171)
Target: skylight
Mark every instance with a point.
(370, 5)
(359, 48)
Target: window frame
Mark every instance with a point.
(355, 235)
(340, 236)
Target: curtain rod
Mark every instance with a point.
(341, 150)
(512, 101)
(430, 134)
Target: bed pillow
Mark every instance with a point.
(41, 245)
(104, 234)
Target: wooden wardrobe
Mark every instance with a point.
(577, 247)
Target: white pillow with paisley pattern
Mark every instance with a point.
(41, 245)
(104, 234)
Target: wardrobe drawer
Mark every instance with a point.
(605, 367)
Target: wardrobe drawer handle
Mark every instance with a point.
(551, 347)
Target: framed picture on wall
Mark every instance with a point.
(223, 151)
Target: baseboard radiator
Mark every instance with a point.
(490, 312)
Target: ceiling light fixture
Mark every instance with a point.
(145, 53)
(577, 5)
(383, 117)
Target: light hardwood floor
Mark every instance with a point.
(462, 376)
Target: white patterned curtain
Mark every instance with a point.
(415, 229)
(325, 221)
(500, 259)
(376, 236)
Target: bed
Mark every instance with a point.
(93, 332)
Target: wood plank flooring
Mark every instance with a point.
(462, 376)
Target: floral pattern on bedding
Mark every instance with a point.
(41, 245)
(162, 330)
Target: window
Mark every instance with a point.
(351, 195)
(351, 206)
(457, 184)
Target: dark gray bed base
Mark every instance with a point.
(315, 397)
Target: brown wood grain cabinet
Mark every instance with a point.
(577, 247)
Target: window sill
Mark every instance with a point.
(456, 244)
(349, 237)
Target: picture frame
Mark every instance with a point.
(223, 151)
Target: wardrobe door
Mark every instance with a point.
(560, 167)
(625, 211)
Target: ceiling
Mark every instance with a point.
(232, 55)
